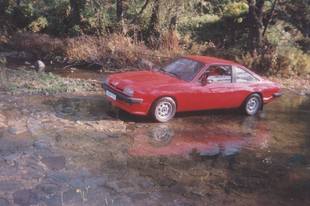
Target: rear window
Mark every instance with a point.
(244, 76)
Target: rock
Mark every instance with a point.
(298, 159)
(164, 181)
(25, 197)
(82, 172)
(4, 202)
(39, 145)
(13, 157)
(49, 189)
(54, 163)
(57, 177)
(40, 66)
(10, 185)
(97, 136)
(81, 182)
(146, 184)
(17, 129)
(55, 200)
(35, 129)
(82, 158)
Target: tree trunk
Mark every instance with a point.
(256, 12)
(154, 22)
(120, 17)
(270, 18)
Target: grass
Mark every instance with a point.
(23, 81)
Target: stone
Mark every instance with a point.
(25, 197)
(55, 200)
(17, 129)
(81, 182)
(97, 136)
(39, 145)
(47, 125)
(49, 189)
(135, 197)
(4, 202)
(82, 172)
(13, 157)
(164, 181)
(3, 164)
(57, 177)
(45, 153)
(146, 184)
(10, 185)
(82, 158)
(54, 163)
(40, 66)
(35, 129)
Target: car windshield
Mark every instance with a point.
(182, 68)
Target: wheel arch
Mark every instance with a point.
(161, 96)
(261, 99)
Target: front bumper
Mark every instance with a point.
(121, 96)
(276, 95)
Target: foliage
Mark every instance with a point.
(87, 30)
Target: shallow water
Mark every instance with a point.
(217, 157)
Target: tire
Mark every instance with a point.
(164, 109)
(251, 104)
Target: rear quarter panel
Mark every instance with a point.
(264, 88)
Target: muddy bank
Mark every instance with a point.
(52, 146)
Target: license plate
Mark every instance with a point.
(111, 95)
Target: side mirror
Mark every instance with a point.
(205, 80)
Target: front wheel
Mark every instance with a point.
(164, 109)
(251, 104)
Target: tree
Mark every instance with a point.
(120, 17)
(154, 22)
(256, 12)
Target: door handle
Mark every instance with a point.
(228, 87)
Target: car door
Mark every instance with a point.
(218, 92)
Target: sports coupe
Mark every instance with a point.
(190, 83)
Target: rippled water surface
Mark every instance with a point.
(216, 157)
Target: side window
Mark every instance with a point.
(217, 74)
(243, 76)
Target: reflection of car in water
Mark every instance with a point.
(209, 142)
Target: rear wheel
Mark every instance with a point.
(251, 104)
(164, 109)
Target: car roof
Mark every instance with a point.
(211, 60)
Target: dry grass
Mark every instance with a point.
(116, 51)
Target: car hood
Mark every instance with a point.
(140, 79)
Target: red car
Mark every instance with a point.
(190, 83)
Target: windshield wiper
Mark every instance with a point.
(161, 70)
(176, 75)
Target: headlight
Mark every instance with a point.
(106, 81)
(128, 91)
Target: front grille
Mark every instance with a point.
(117, 88)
